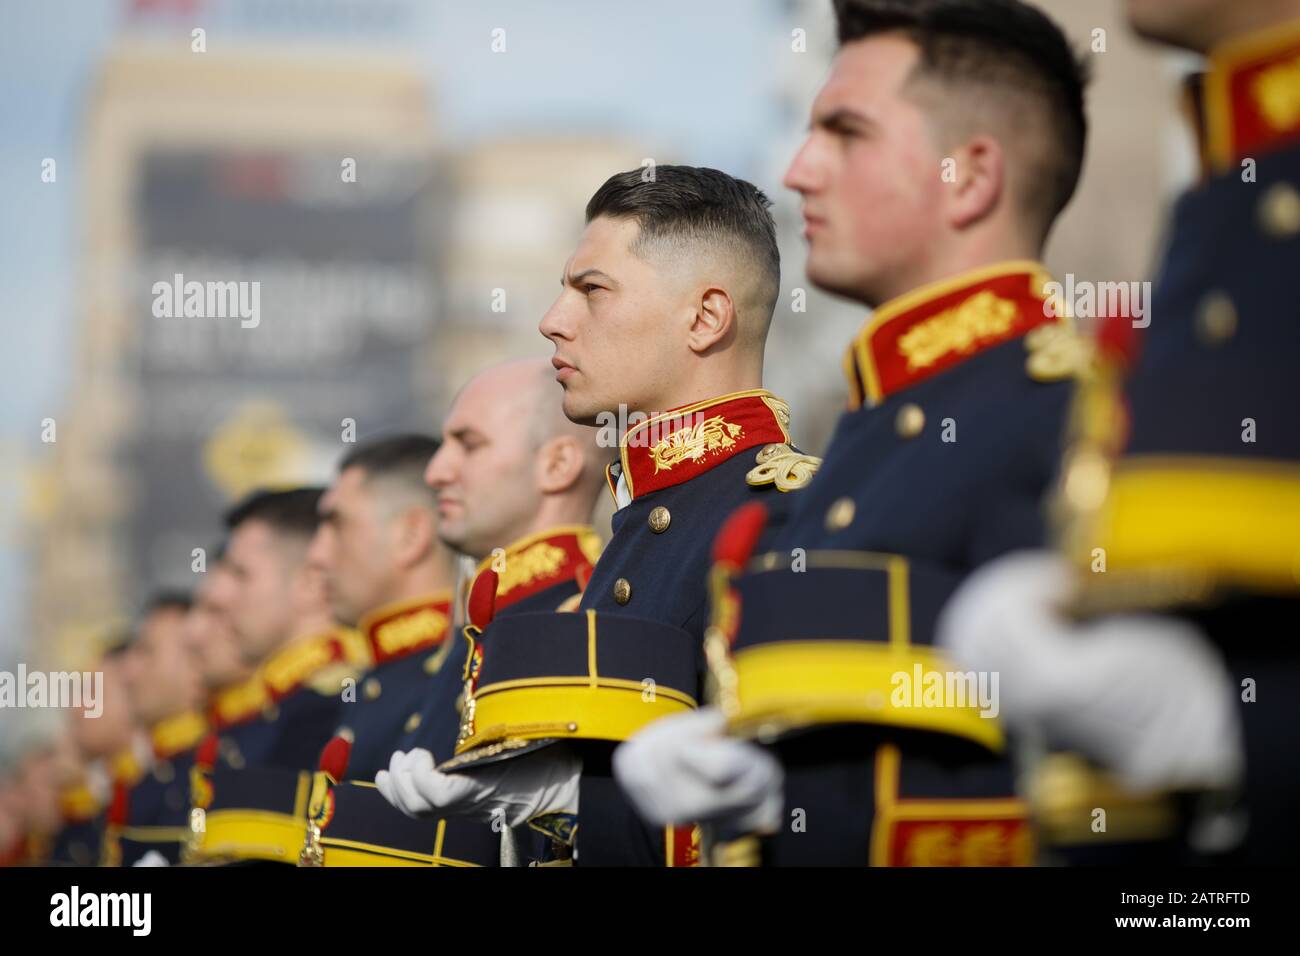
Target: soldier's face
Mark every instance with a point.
(261, 602)
(38, 785)
(208, 633)
(109, 733)
(162, 676)
(484, 474)
(619, 326)
(1198, 25)
(354, 546)
(870, 177)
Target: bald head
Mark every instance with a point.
(511, 463)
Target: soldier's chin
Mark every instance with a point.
(828, 278)
(580, 410)
(1182, 25)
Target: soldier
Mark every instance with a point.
(39, 773)
(236, 692)
(11, 817)
(278, 607)
(98, 740)
(945, 142)
(515, 481)
(516, 484)
(1179, 506)
(388, 575)
(660, 327)
(515, 487)
(165, 689)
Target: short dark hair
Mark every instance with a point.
(1002, 42)
(167, 600)
(291, 513)
(694, 203)
(402, 457)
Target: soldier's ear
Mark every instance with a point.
(311, 584)
(559, 464)
(977, 183)
(416, 533)
(714, 321)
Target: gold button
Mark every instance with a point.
(164, 772)
(271, 712)
(660, 519)
(371, 688)
(433, 664)
(1279, 211)
(840, 514)
(622, 590)
(412, 722)
(910, 421)
(1216, 319)
(234, 758)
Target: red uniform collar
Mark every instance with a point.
(539, 561)
(918, 335)
(685, 442)
(1250, 97)
(407, 627)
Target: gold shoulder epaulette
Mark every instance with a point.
(783, 466)
(1057, 352)
(329, 679)
(355, 647)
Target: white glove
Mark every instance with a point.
(1145, 695)
(684, 769)
(152, 858)
(514, 791)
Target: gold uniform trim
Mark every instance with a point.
(341, 852)
(252, 835)
(1224, 62)
(353, 853)
(247, 834)
(1064, 792)
(177, 733)
(893, 809)
(577, 707)
(154, 834)
(781, 686)
(861, 347)
(370, 619)
(1216, 521)
(782, 466)
(776, 404)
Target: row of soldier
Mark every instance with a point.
(1076, 515)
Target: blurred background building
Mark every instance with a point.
(404, 180)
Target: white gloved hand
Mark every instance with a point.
(152, 858)
(515, 790)
(684, 769)
(1147, 696)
